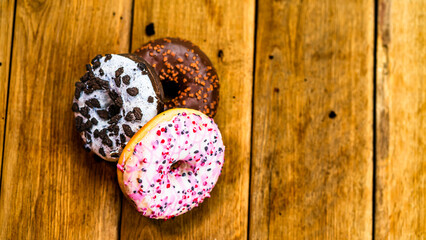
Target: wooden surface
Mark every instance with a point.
(401, 120)
(312, 171)
(322, 112)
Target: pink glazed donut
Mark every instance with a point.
(172, 163)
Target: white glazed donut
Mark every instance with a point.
(172, 163)
(113, 100)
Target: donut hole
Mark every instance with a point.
(171, 89)
(181, 166)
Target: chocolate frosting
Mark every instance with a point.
(188, 77)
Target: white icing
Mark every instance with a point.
(138, 80)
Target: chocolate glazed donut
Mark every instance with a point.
(188, 77)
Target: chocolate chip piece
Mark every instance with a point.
(94, 121)
(96, 133)
(85, 77)
(119, 71)
(150, 99)
(113, 110)
(114, 129)
(88, 137)
(77, 93)
(104, 84)
(96, 65)
(75, 107)
(115, 155)
(117, 81)
(142, 66)
(85, 112)
(93, 102)
(122, 138)
(106, 140)
(79, 123)
(116, 98)
(129, 117)
(88, 67)
(88, 91)
(103, 114)
(126, 79)
(127, 130)
(80, 85)
(87, 126)
(114, 120)
(119, 101)
(138, 113)
(96, 59)
(132, 91)
(101, 72)
(113, 95)
(102, 152)
(107, 57)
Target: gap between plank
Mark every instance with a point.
(7, 92)
(130, 50)
(252, 112)
(376, 12)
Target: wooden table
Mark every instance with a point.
(323, 113)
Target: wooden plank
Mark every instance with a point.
(216, 26)
(312, 147)
(401, 121)
(51, 188)
(6, 26)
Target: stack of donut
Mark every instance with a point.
(152, 112)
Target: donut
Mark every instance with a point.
(116, 96)
(188, 77)
(172, 164)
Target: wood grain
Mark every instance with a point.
(401, 121)
(51, 188)
(312, 166)
(216, 26)
(6, 26)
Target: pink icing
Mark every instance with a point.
(193, 145)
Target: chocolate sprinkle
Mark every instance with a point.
(101, 72)
(126, 79)
(127, 130)
(103, 114)
(150, 99)
(132, 91)
(102, 152)
(75, 107)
